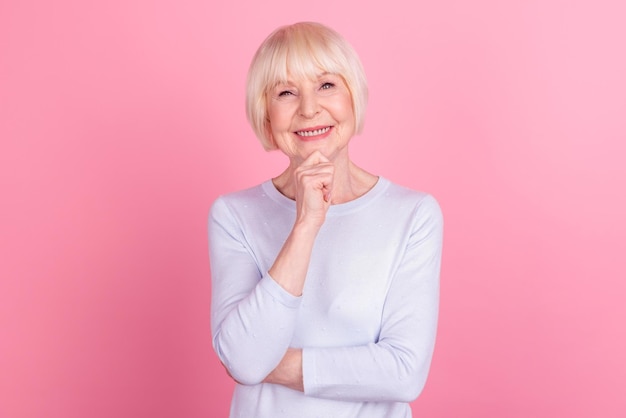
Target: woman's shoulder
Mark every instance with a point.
(232, 201)
(400, 194)
(248, 194)
(420, 207)
(250, 202)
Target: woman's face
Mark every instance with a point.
(309, 115)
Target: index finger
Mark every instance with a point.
(316, 157)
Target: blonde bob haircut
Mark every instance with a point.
(302, 51)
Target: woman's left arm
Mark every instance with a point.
(396, 366)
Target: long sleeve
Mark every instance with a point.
(367, 317)
(395, 367)
(252, 317)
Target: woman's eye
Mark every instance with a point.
(327, 86)
(285, 93)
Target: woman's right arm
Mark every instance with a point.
(253, 314)
(252, 317)
(313, 185)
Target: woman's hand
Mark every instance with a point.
(289, 371)
(313, 183)
(313, 188)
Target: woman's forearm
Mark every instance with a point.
(289, 371)
(290, 267)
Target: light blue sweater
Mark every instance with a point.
(366, 320)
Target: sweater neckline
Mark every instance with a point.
(338, 209)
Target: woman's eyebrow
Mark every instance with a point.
(283, 84)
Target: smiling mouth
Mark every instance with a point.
(314, 132)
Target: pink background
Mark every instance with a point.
(121, 121)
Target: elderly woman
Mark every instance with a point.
(325, 279)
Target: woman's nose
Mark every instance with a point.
(309, 105)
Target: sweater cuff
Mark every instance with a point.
(309, 379)
(278, 293)
(314, 383)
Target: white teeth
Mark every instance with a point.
(315, 132)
